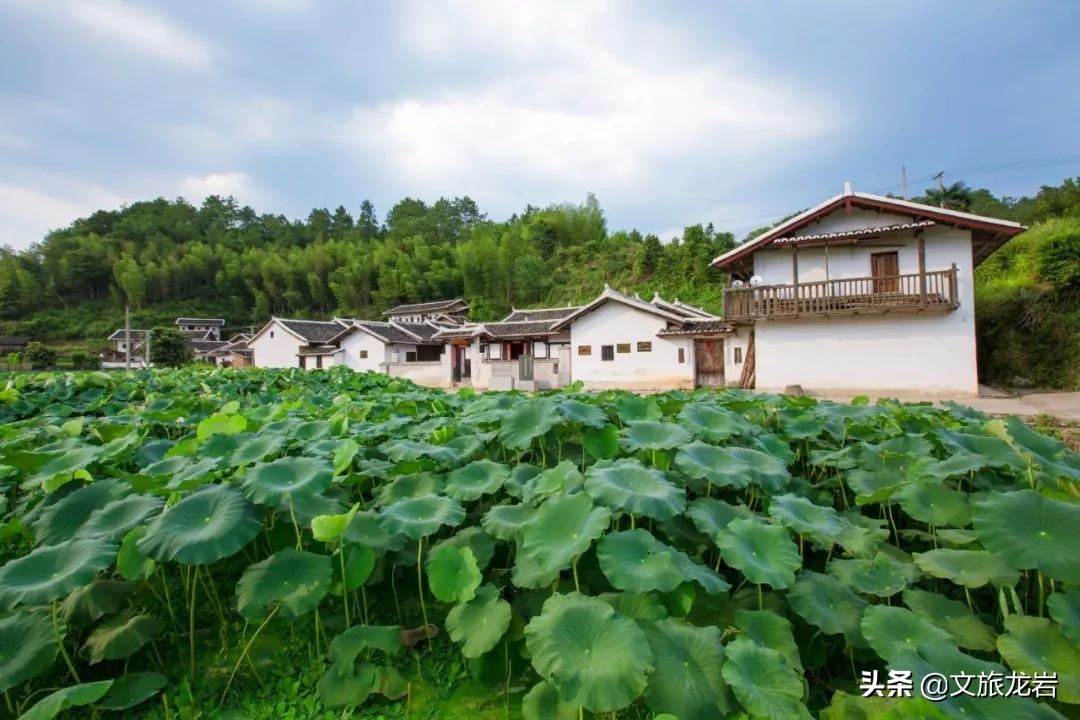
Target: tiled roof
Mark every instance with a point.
(205, 346)
(506, 330)
(856, 233)
(610, 294)
(135, 334)
(313, 331)
(524, 315)
(698, 327)
(318, 350)
(464, 331)
(200, 321)
(422, 330)
(680, 308)
(426, 307)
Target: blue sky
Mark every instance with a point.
(671, 113)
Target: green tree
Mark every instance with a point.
(169, 347)
(957, 196)
(40, 357)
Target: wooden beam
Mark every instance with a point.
(921, 241)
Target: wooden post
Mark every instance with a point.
(127, 337)
(922, 268)
(795, 276)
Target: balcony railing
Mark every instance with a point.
(934, 290)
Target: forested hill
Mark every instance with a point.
(169, 258)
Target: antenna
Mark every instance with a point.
(903, 180)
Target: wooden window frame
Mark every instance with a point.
(584, 349)
(622, 348)
(363, 355)
(738, 356)
(607, 353)
(644, 346)
(682, 356)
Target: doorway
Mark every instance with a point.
(885, 271)
(709, 363)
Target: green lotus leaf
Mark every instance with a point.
(593, 657)
(638, 606)
(342, 686)
(120, 517)
(366, 529)
(453, 574)
(739, 467)
(654, 435)
(295, 581)
(403, 487)
(771, 631)
(629, 406)
(934, 504)
(253, 448)
(133, 689)
(27, 648)
(419, 517)
(223, 424)
(347, 645)
(72, 696)
(763, 682)
(891, 631)
(1065, 609)
(704, 462)
(52, 571)
(474, 538)
(798, 425)
(206, 526)
(636, 561)
(821, 523)
(507, 522)
(184, 473)
(563, 479)
(121, 636)
(94, 600)
(765, 554)
(881, 575)
(687, 680)
(712, 423)
(542, 702)
(710, 516)
(276, 482)
(601, 443)
(479, 624)
(61, 464)
(582, 413)
(330, 528)
(971, 568)
(62, 519)
(952, 616)
(562, 529)
(130, 562)
(359, 564)
(528, 573)
(826, 603)
(843, 706)
(1035, 645)
(520, 477)
(1029, 530)
(479, 478)
(629, 486)
(527, 422)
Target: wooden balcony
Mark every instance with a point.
(931, 291)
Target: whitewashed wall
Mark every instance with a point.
(614, 323)
(738, 339)
(429, 374)
(906, 354)
(357, 341)
(278, 351)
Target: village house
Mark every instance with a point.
(13, 343)
(862, 294)
(201, 328)
(623, 341)
(117, 355)
(399, 349)
(283, 343)
(233, 352)
(446, 312)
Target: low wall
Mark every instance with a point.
(428, 374)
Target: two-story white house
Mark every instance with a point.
(862, 294)
(201, 328)
(440, 311)
(285, 342)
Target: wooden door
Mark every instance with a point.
(709, 363)
(885, 269)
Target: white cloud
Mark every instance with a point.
(142, 30)
(28, 212)
(196, 187)
(585, 96)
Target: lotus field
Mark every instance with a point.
(281, 544)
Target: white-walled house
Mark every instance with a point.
(862, 294)
(623, 341)
(398, 349)
(284, 342)
(203, 328)
(439, 311)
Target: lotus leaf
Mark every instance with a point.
(359, 564)
(952, 616)
(594, 657)
(710, 516)
(629, 486)
(1035, 645)
(823, 524)
(206, 526)
(602, 443)
(687, 680)
(562, 529)
(133, 689)
(92, 601)
(762, 680)
(276, 482)
(638, 606)
(528, 573)
(62, 519)
(712, 423)
(769, 630)
(294, 581)
(366, 529)
(582, 413)
(507, 522)
(542, 702)
(27, 648)
(474, 538)
(654, 435)
(121, 636)
(477, 479)
(130, 562)
(527, 422)
(1065, 609)
(1029, 530)
(223, 424)
(120, 516)
(562, 479)
(763, 553)
(881, 575)
(453, 574)
(422, 516)
(971, 568)
(52, 571)
(72, 696)
(891, 631)
(826, 603)
(934, 504)
(330, 528)
(410, 486)
(254, 448)
(479, 624)
(636, 561)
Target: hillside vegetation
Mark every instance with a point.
(169, 258)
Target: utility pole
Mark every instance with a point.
(127, 337)
(903, 181)
(146, 363)
(941, 187)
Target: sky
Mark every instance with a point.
(672, 114)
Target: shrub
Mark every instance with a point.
(40, 357)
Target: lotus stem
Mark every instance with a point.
(344, 586)
(760, 598)
(60, 644)
(580, 713)
(577, 586)
(506, 678)
(165, 704)
(1042, 592)
(420, 581)
(631, 520)
(191, 627)
(244, 653)
(967, 596)
(296, 527)
(11, 707)
(393, 589)
(363, 596)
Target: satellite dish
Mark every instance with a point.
(737, 284)
(756, 281)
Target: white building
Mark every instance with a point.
(862, 294)
(454, 311)
(201, 328)
(622, 341)
(283, 342)
(399, 349)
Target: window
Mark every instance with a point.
(607, 352)
(271, 333)
(410, 356)
(363, 354)
(682, 355)
(623, 347)
(738, 355)
(584, 349)
(318, 361)
(302, 367)
(644, 347)
(429, 353)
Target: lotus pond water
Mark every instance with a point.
(211, 543)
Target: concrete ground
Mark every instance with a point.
(1065, 406)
